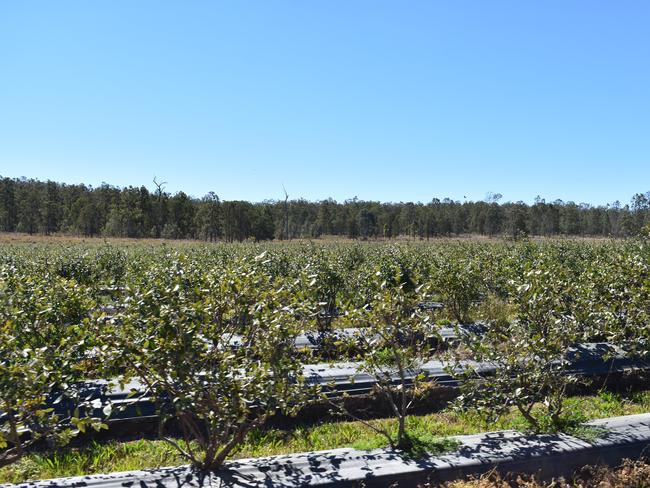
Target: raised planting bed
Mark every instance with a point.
(589, 360)
(133, 410)
(548, 455)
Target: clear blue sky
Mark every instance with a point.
(386, 100)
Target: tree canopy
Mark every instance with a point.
(33, 206)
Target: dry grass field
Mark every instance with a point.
(20, 238)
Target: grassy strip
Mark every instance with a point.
(429, 431)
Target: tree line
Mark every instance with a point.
(46, 207)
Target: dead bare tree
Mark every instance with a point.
(160, 187)
(160, 191)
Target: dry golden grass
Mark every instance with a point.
(629, 474)
(19, 238)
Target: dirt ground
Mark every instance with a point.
(630, 474)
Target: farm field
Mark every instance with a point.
(166, 315)
(324, 244)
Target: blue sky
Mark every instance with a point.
(383, 100)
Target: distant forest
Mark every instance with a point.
(33, 206)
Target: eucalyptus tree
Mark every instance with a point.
(397, 340)
(177, 335)
(324, 277)
(530, 355)
(617, 302)
(45, 354)
(458, 279)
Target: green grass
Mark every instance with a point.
(429, 433)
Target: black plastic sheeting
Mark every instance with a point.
(550, 455)
(336, 379)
